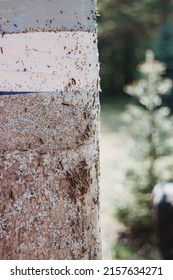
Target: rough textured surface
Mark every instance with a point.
(49, 170)
(49, 159)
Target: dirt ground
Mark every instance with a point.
(112, 156)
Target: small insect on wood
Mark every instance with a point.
(79, 178)
(65, 104)
(72, 82)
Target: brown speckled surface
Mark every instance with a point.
(49, 148)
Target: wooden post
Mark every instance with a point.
(49, 111)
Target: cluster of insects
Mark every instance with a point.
(80, 179)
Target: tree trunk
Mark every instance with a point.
(49, 110)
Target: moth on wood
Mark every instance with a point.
(79, 179)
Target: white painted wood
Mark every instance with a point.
(44, 61)
(39, 15)
(49, 134)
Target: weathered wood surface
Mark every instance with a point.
(43, 61)
(49, 136)
(47, 15)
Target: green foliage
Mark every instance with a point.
(163, 45)
(150, 130)
(125, 252)
(126, 29)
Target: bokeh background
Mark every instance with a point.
(136, 122)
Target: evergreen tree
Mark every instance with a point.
(150, 129)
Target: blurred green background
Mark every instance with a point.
(126, 29)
